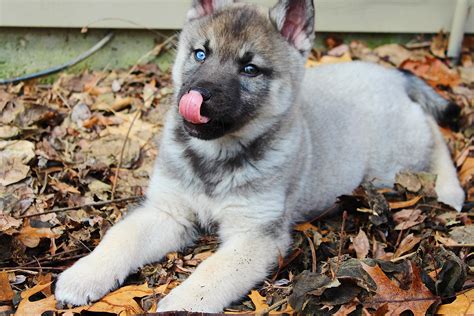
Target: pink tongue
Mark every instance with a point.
(190, 107)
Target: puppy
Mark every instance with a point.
(254, 144)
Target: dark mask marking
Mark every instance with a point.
(210, 172)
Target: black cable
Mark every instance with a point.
(70, 63)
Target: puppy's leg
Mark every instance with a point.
(144, 236)
(243, 260)
(448, 188)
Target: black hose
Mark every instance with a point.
(70, 63)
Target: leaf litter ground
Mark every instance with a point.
(76, 156)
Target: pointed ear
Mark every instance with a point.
(294, 19)
(201, 8)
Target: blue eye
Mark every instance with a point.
(199, 55)
(250, 70)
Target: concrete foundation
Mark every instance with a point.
(27, 50)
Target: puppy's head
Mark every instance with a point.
(238, 62)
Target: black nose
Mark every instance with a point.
(206, 95)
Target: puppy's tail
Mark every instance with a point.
(445, 112)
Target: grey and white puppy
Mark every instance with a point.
(254, 144)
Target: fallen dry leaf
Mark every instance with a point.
(63, 187)
(408, 218)
(395, 53)
(467, 74)
(361, 244)
(8, 224)
(258, 301)
(346, 57)
(445, 240)
(14, 157)
(407, 244)
(7, 131)
(28, 307)
(6, 292)
(416, 299)
(439, 44)
(434, 71)
(462, 305)
(463, 235)
(303, 227)
(404, 204)
(467, 170)
(347, 308)
(31, 236)
(120, 302)
(149, 92)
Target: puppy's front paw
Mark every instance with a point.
(86, 281)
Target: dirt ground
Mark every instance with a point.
(76, 155)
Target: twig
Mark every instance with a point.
(71, 208)
(341, 242)
(324, 213)
(138, 112)
(114, 182)
(8, 269)
(272, 307)
(313, 254)
(52, 256)
(19, 270)
(56, 69)
(434, 206)
(403, 257)
(414, 299)
(68, 258)
(156, 51)
(459, 246)
(399, 238)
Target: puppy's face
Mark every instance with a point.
(234, 65)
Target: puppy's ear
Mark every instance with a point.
(294, 19)
(201, 8)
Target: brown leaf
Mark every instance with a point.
(404, 204)
(31, 236)
(416, 299)
(63, 187)
(329, 60)
(445, 240)
(462, 305)
(27, 307)
(303, 227)
(463, 234)
(439, 44)
(258, 301)
(409, 181)
(120, 302)
(14, 157)
(434, 71)
(6, 292)
(406, 245)
(346, 309)
(395, 53)
(408, 218)
(45, 279)
(149, 92)
(8, 224)
(361, 244)
(467, 74)
(467, 171)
